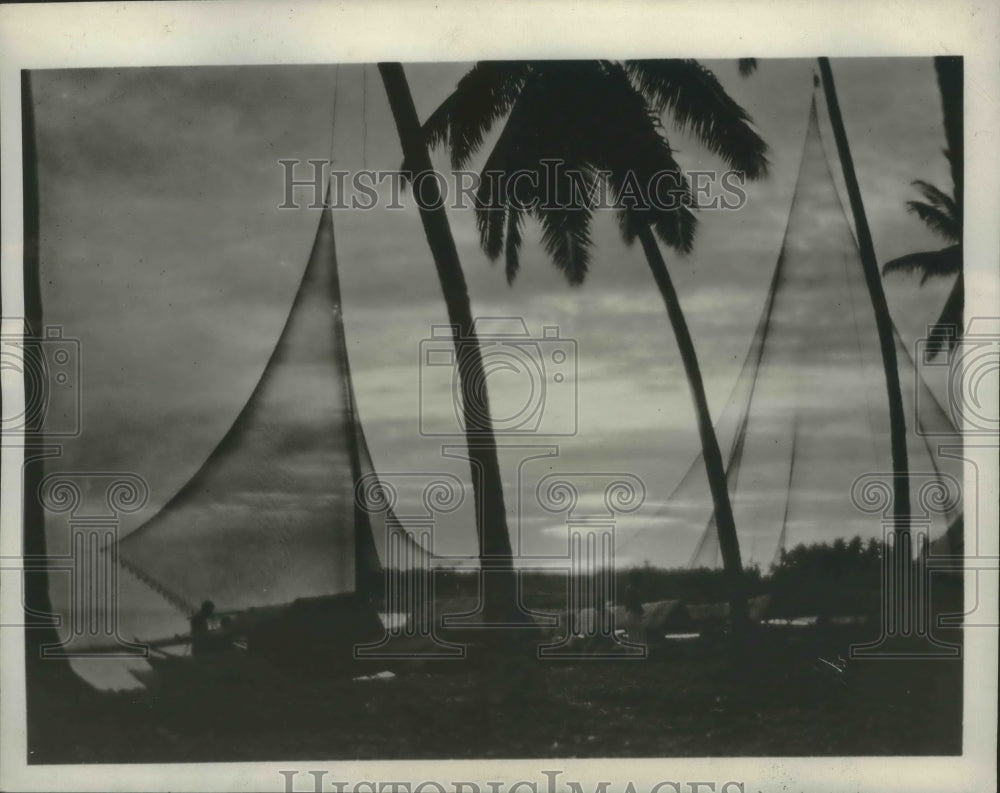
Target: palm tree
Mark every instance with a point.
(36, 588)
(883, 322)
(942, 214)
(43, 676)
(496, 558)
(600, 120)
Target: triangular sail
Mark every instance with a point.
(273, 514)
(808, 414)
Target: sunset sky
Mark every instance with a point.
(164, 253)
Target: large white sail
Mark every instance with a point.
(272, 514)
(808, 414)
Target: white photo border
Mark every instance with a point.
(67, 35)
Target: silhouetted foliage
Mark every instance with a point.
(942, 214)
(840, 578)
(601, 121)
(827, 579)
(549, 590)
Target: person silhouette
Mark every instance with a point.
(201, 640)
(634, 627)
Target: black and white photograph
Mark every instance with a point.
(427, 410)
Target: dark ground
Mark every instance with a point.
(694, 700)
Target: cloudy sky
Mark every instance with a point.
(164, 253)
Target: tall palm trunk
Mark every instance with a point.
(491, 515)
(883, 322)
(36, 585)
(950, 70)
(724, 522)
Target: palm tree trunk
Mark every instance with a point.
(491, 515)
(952, 317)
(36, 584)
(883, 322)
(949, 69)
(724, 522)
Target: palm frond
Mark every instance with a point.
(512, 246)
(947, 331)
(490, 222)
(936, 219)
(747, 66)
(949, 262)
(592, 119)
(566, 238)
(528, 127)
(935, 196)
(482, 97)
(507, 157)
(930, 264)
(698, 103)
(641, 165)
(677, 230)
(545, 123)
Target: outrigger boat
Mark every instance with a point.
(278, 527)
(312, 636)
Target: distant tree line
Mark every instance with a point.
(841, 578)
(829, 579)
